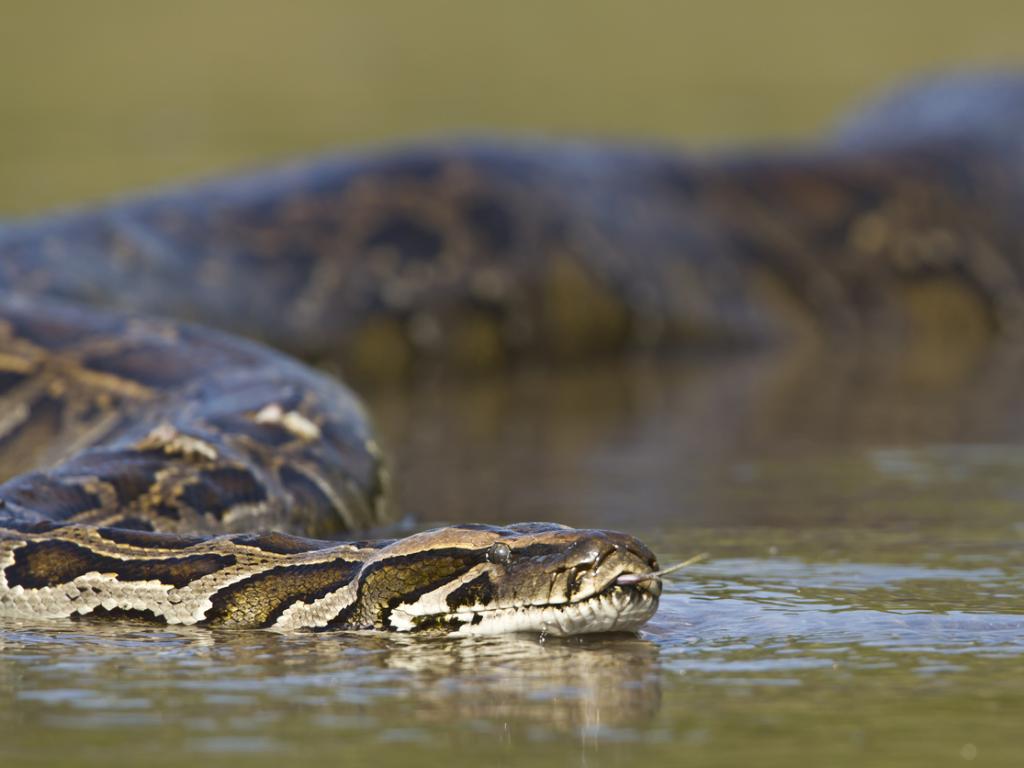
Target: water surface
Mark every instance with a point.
(863, 604)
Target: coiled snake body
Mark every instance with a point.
(141, 454)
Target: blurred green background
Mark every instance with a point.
(113, 95)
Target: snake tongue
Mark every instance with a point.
(629, 579)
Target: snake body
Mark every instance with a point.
(155, 428)
(142, 455)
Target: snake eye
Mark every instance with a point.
(499, 553)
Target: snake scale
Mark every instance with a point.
(157, 469)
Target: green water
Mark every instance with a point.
(863, 604)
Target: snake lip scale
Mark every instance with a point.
(616, 609)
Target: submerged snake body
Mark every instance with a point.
(139, 452)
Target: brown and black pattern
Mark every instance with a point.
(259, 600)
(433, 582)
(127, 442)
(54, 563)
(478, 591)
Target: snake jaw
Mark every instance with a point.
(615, 609)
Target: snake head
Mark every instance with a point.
(529, 577)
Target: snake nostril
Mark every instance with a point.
(590, 553)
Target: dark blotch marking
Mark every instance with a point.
(37, 526)
(218, 490)
(46, 414)
(415, 164)
(411, 239)
(163, 509)
(121, 614)
(130, 523)
(539, 550)
(259, 600)
(573, 580)
(437, 623)
(388, 583)
(479, 591)
(282, 543)
(306, 494)
(368, 543)
(10, 379)
(52, 563)
(149, 540)
(153, 364)
(357, 461)
(47, 496)
(491, 223)
(50, 330)
(131, 473)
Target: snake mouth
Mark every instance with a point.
(614, 608)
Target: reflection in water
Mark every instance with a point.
(663, 441)
(864, 603)
(210, 688)
(565, 684)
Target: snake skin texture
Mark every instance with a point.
(142, 451)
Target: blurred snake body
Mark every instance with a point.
(158, 469)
